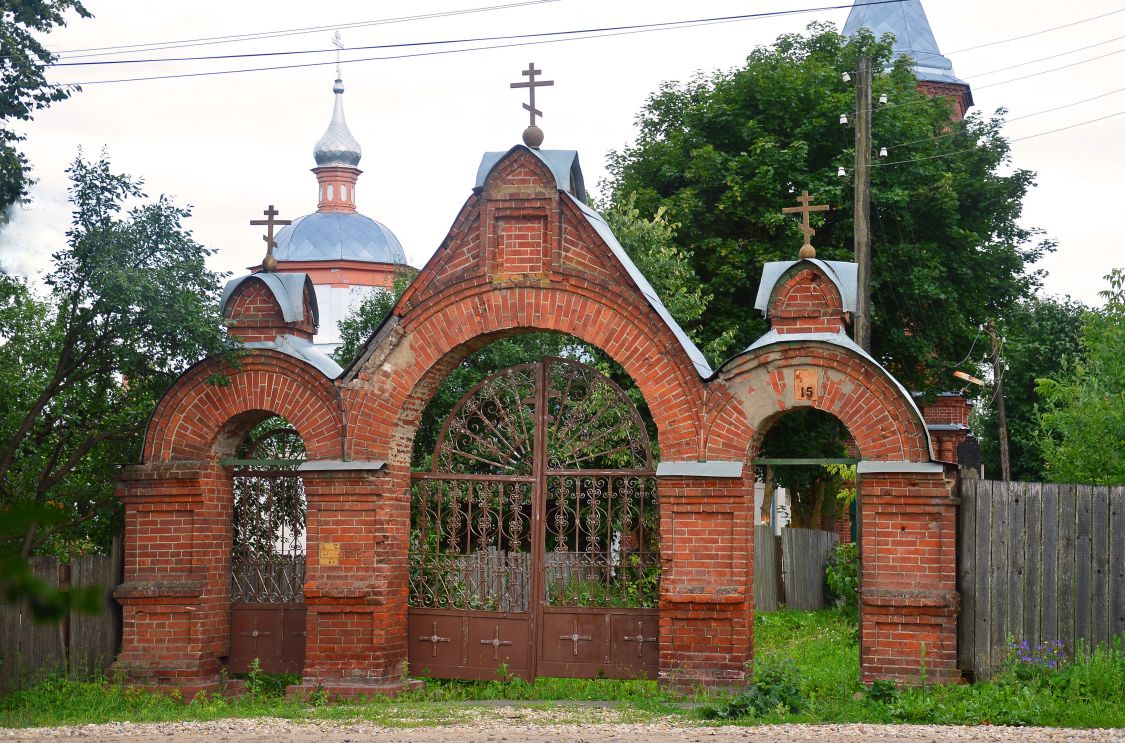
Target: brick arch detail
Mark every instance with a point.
(876, 411)
(193, 413)
(386, 401)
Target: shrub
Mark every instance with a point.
(775, 691)
(841, 574)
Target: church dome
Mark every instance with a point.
(337, 148)
(334, 236)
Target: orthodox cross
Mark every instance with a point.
(496, 642)
(337, 42)
(575, 637)
(531, 85)
(270, 263)
(807, 250)
(434, 639)
(640, 639)
(255, 633)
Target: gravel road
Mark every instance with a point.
(520, 725)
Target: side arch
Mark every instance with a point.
(877, 411)
(196, 418)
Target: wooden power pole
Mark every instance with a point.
(863, 202)
(998, 392)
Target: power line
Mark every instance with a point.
(1053, 69)
(257, 35)
(592, 33)
(1043, 59)
(1017, 139)
(1010, 120)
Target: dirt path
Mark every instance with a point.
(518, 726)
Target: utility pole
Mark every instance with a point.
(998, 392)
(863, 202)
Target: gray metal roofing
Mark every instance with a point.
(299, 348)
(337, 146)
(563, 164)
(837, 339)
(328, 236)
(913, 36)
(842, 273)
(287, 288)
(694, 354)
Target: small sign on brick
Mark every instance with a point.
(330, 553)
(805, 384)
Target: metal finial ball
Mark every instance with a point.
(808, 251)
(533, 137)
(269, 263)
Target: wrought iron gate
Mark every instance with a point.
(268, 555)
(534, 535)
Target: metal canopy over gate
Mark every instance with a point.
(534, 535)
(268, 555)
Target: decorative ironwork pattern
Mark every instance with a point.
(601, 541)
(470, 544)
(555, 441)
(268, 549)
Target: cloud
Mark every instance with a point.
(29, 234)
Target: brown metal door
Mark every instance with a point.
(533, 545)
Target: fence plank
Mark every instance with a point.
(966, 575)
(9, 646)
(1117, 560)
(1065, 580)
(765, 582)
(1017, 560)
(1082, 557)
(1033, 563)
(1099, 567)
(89, 652)
(982, 622)
(41, 643)
(1049, 622)
(999, 551)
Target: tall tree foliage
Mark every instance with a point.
(130, 305)
(1039, 334)
(1083, 418)
(725, 152)
(23, 84)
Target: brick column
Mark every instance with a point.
(358, 529)
(908, 598)
(175, 597)
(707, 588)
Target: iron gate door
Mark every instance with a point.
(534, 534)
(268, 557)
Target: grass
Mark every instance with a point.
(807, 672)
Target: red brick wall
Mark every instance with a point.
(808, 302)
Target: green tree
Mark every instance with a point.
(725, 152)
(368, 315)
(130, 304)
(1038, 334)
(23, 84)
(1083, 418)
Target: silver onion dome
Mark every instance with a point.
(334, 236)
(338, 147)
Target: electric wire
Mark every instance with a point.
(975, 75)
(258, 35)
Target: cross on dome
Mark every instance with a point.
(532, 135)
(269, 263)
(807, 250)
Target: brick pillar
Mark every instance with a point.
(358, 529)
(707, 586)
(908, 598)
(175, 596)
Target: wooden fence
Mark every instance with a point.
(1037, 563)
(81, 645)
(803, 553)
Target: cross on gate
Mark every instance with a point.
(640, 638)
(496, 642)
(270, 263)
(575, 637)
(531, 85)
(434, 639)
(255, 633)
(807, 250)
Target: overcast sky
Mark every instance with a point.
(231, 144)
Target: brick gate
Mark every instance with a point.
(525, 253)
